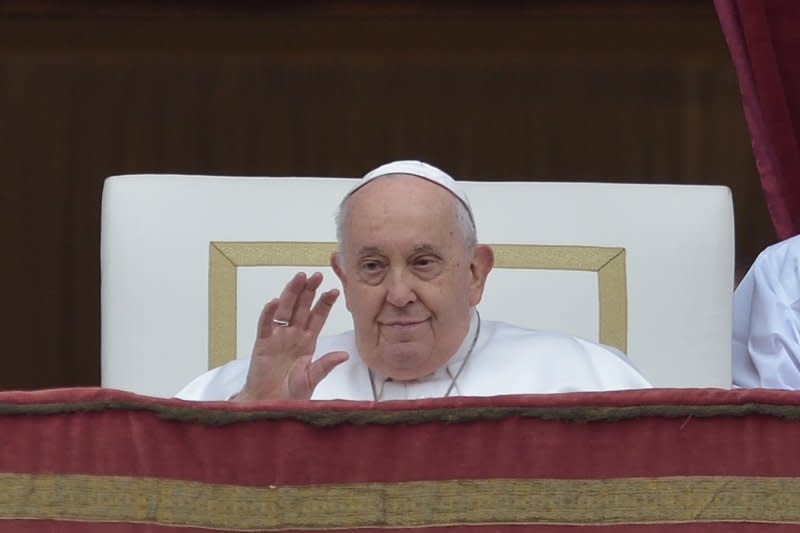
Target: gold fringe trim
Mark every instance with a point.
(197, 412)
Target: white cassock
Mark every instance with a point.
(505, 359)
(766, 317)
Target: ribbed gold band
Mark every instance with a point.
(397, 505)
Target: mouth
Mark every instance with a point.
(403, 325)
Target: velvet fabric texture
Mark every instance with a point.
(764, 42)
(655, 460)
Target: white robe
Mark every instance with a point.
(766, 320)
(505, 360)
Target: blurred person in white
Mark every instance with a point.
(413, 274)
(766, 320)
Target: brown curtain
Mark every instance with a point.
(763, 37)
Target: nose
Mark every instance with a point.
(400, 291)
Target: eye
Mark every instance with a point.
(371, 266)
(371, 271)
(427, 266)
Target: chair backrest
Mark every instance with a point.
(188, 261)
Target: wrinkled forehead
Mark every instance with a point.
(402, 214)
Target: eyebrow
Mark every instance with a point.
(369, 250)
(425, 249)
(418, 249)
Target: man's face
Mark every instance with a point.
(409, 280)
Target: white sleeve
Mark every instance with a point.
(218, 384)
(616, 372)
(766, 338)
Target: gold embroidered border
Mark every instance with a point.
(607, 262)
(225, 257)
(398, 505)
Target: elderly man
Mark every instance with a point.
(412, 273)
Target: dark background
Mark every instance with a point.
(592, 90)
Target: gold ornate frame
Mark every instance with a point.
(226, 256)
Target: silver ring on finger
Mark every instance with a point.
(280, 323)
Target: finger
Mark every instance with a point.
(321, 310)
(264, 328)
(289, 296)
(306, 298)
(319, 369)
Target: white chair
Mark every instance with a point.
(188, 261)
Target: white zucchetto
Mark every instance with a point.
(419, 169)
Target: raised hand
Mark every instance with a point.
(286, 337)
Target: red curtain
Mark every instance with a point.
(763, 37)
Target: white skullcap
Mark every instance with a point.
(421, 170)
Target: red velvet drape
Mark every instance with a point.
(763, 37)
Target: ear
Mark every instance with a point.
(337, 267)
(482, 263)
